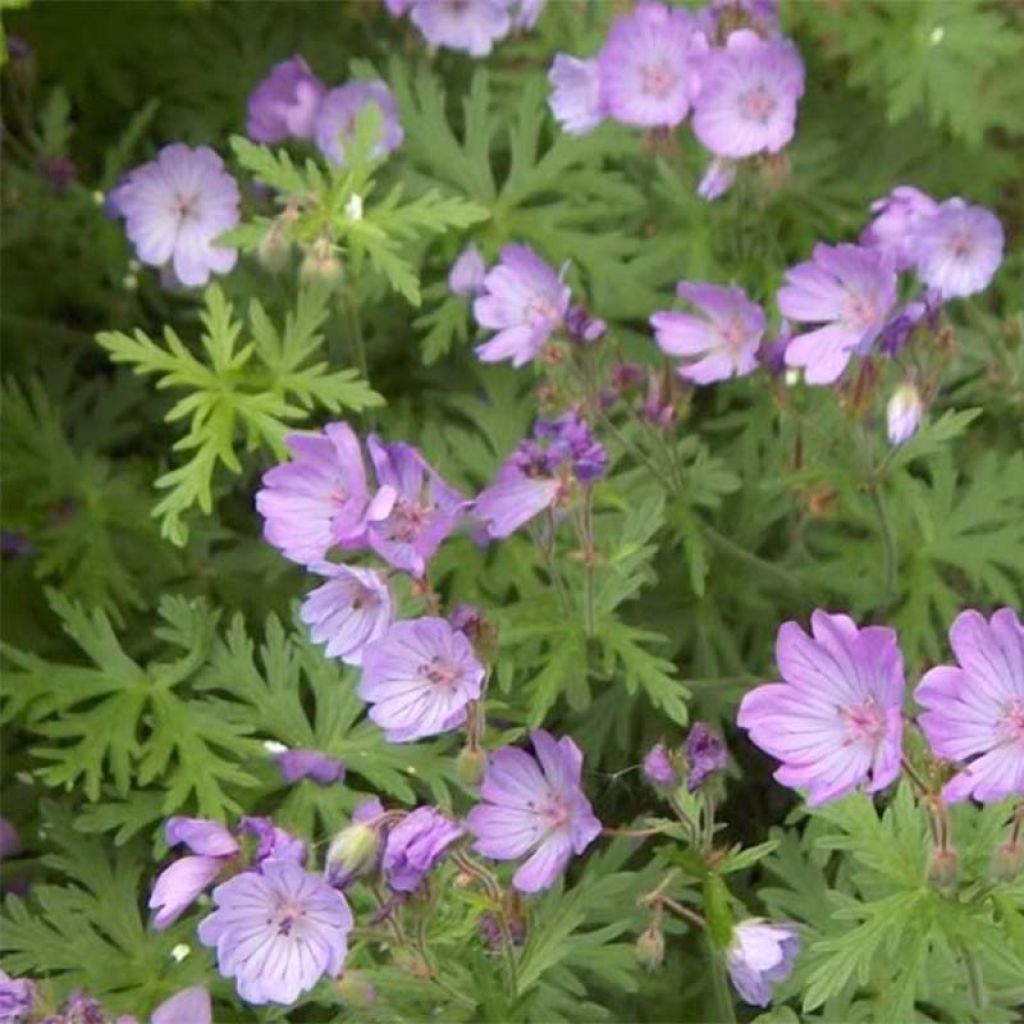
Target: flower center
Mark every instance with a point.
(757, 104)
(962, 246)
(440, 671)
(540, 311)
(186, 205)
(864, 722)
(407, 520)
(338, 496)
(285, 916)
(860, 312)
(1013, 721)
(658, 80)
(733, 335)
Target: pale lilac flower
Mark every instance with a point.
(398, 8)
(705, 755)
(721, 343)
(17, 999)
(278, 932)
(535, 805)
(717, 180)
(189, 1006)
(414, 509)
(415, 846)
(419, 677)
(180, 883)
(310, 764)
(284, 104)
(466, 278)
(526, 13)
(575, 99)
(899, 328)
(836, 720)
(472, 26)
(335, 123)
(759, 957)
(646, 66)
(525, 301)
(898, 216)
(975, 712)
(748, 95)
(582, 327)
(903, 413)
(348, 611)
(354, 850)
(318, 500)
(175, 206)
(659, 768)
(273, 843)
(849, 290)
(958, 249)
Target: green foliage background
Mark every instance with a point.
(149, 644)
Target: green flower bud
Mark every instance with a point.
(353, 852)
(1008, 861)
(356, 990)
(321, 264)
(471, 765)
(273, 249)
(944, 867)
(650, 947)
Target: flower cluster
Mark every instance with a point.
(836, 720)
(659, 63)
(470, 26)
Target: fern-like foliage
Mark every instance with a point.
(237, 392)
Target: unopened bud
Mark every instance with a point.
(903, 413)
(471, 765)
(355, 989)
(1008, 861)
(273, 249)
(944, 867)
(353, 852)
(650, 947)
(660, 768)
(321, 264)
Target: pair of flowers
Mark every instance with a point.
(836, 720)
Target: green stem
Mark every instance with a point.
(587, 536)
(888, 542)
(721, 997)
(975, 981)
(356, 333)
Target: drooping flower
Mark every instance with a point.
(466, 278)
(189, 1006)
(582, 327)
(540, 473)
(717, 180)
(898, 216)
(836, 720)
(534, 805)
(958, 249)
(903, 413)
(575, 99)
(180, 883)
(720, 344)
(416, 845)
(646, 68)
(273, 843)
(900, 326)
(355, 849)
(525, 301)
(419, 677)
(471, 26)
(658, 767)
(414, 509)
(975, 712)
(277, 932)
(348, 611)
(17, 999)
(335, 124)
(705, 755)
(285, 103)
(847, 289)
(175, 206)
(318, 500)
(759, 957)
(310, 764)
(748, 95)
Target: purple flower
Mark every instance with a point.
(276, 933)
(582, 327)
(526, 13)
(335, 123)
(416, 845)
(575, 99)
(836, 720)
(413, 511)
(718, 179)
(472, 26)
(189, 1006)
(895, 333)
(10, 841)
(903, 413)
(419, 677)
(658, 767)
(348, 611)
(310, 764)
(17, 999)
(273, 843)
(398, 8)
(525, 301)
(354, 850)
(284, 104)
(318, 499)
(466, 278)
(720, 344)
(898, 217)
(748, 95)
(181, 882)
(850, 291)
(175, 206)
(759, 957)
(534, 805)
(978, 707)
(645, 66)
(958, 249)
(705, 755)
